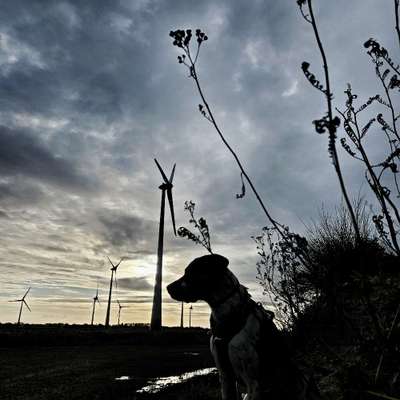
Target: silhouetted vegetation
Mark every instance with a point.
(189, 57)
(387, 71)
(337, 288)
(328, 123)
(333, 253)
(375, 173)
(203, 237)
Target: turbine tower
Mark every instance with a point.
(113, 271)
(95, 299)
(190, 316)
(166, 188)
(119, 311)
(22, 301)
(182, 314)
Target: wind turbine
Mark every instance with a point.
(95, 299)
(113, 271)
(190, 316)
(22, 303)
(119, 310)
(166, 188)
(182, 314)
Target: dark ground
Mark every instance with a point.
(47, 362)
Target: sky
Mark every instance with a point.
(91, 93)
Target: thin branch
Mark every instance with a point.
(332, 128)
(182, 40)
(378, 189)
(391, 107)
(396, 13)
(235, 156)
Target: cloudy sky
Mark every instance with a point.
(91, 92)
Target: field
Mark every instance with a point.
(40, 362)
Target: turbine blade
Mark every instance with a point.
(162, 172)
(27, 305)
(171, 178)
(110, 262)
(171, 206)
(26, 293)
(115, 278)
(13, 301)
(120, 261)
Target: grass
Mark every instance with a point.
(88, 371)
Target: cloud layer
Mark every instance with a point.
(91, 92)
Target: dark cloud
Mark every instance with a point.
(23, 154)
(120, 229)
(137, 254)
(57, 249)
(148, 299)
(139, 283)
(15, 190)
(92, 92)
(3, 214)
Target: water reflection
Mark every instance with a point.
(123, 378)
(158, 384)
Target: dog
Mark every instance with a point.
(249, 350)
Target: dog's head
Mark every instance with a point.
(201, 279)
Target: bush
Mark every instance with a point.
(332, 264)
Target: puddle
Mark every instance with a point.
(123, 378)
(158, 384)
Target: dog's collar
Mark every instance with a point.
(225, 331)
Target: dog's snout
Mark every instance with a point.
(175, 288)
(180, 290)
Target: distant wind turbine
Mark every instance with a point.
(166, 188)
(22, 301)
(113, 275)
(95, 299)
(119, 310)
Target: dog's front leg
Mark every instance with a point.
(228, 386)
(245, 361)
(219, 350)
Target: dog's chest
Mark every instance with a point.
(227, 323)
(243, 350)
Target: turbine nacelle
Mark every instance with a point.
(22, 300)
(166, 186)
(96, 298)
(115, 266)
(120, 306)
